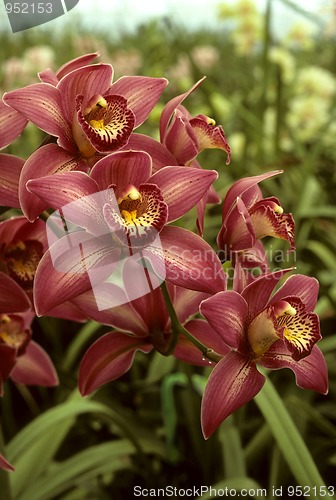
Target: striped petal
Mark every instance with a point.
(160, 155)
(12, 123)
(76, 63)
(107, 359)
(12, 298)
(182, 187)
(45, 161)
(34, 367)
(303, 287)
(10, 170)
(233, 382)
(310, 372)
(41, 103)
(141, 92)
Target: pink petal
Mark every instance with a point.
(77, 197)
(237, 231)
(115, 309)
(107, 359)
(182, 187)
(181, 140)
(209, 135)
(310, 372)
(171, 106)
(239, 187)
(233, 382)
(13, 298)
(12, 124)
(161, 156)
(141, 92)
(303, 287)
(68, 311)
(63, 272)
(226, 312)
(41, 103)
(257, 293)
(48, 76)
(35, 367)
(122, 169)
(5, 465)
(10, 170)
(266, 222)
(189, 353)
(75, 64)
(87, 81)
(47, 160)
(190, 261)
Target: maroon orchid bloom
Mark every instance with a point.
(142, 206)
(248, 217)
(88, 114)
(142, 324)
(49, 76)
(22, 359)
(22, 245)
(278, 331)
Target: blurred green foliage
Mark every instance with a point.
(276, 101)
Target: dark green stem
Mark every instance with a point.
(177, 329)
(4, 475)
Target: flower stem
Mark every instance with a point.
(177, 329)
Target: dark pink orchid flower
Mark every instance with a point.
(22, 245)
(12, 124)
(22, 359)
(248, 217)
(278, 331)
(146, 203)
(49, 76)
(88, 114)
(142, 324)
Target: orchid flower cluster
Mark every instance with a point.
(121, 191)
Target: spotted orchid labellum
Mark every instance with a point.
(98, 233)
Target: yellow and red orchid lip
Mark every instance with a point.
(141, 215)
(300, 329)
(209, 135)
(105, 125)
(21, 259)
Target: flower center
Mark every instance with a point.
(22, 259)
(12, 332)
(104, 125)
(142, 214)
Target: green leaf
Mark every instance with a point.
(288, 438)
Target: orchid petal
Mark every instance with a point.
(47, 160)
(66, 269)
(68, 311)
(239, 188)
(233, 382)
(257, 293)
(190, 261)
(237, 232)
(12, 123)
(303, 287)
(267, 222)
(141, 92)
(34, 367)
(10, 170)
(88, 81)
(182, 187)
(310, 372)
(171, 106)
(122, 169)
(48, 76)
(107, 359)
(13, 298)
(161, 156)
(76, 63)
(4, 464)
(114, 309)
(202, 331)
(181, 140)
(41, 103)
(226, 312)
(186, 302)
